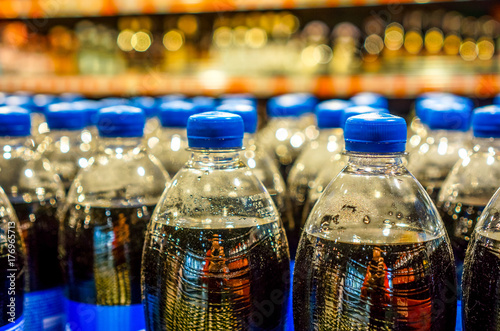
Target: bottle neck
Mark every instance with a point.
(215, 159)
(374, 162)
(120, 145)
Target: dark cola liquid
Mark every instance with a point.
(12, 271)
(216, 279)
(353, 286)
(460, 221)
(481, 284)
(285, 209)
(101, 253)
(39, 229)
(298, 224)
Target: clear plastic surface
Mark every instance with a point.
(481, 277)
(216, 251)
(374, 254)
(435, 157)
(170, 148)
(466, 191)
(103, 225)
(283, 138)
(315, 156)
(68, 152)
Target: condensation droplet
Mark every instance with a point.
(366, 219)
(390, 213)
(399, 215)
(386, 222)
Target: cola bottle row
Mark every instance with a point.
(175, 214)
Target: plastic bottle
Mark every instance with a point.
(418, 130)
(315, 156)
(91, 108)
(374, 254)
(170, 145)
(481, 275)
(39, 127)
(216, 255)
(284, 136)
(337, 162)
(261, 163)
(445, 144)
(67, 147)
(103, 226)
(12, 267)
(35, 192)
(472, 182)
(150, 107)
(41, 102)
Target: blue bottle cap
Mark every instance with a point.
(291, 105)
(215, 130)
(175, 114)
(63, 116)
(486, 122)
(375, 133)
(247, 112)
(147, 104)
(14, 121)
(23, 101)
(329, 113)
(370, 99)
(70, 97)
(359, 110)
(446, 115)
(42, 101)
(108, 102)
(204, 104)
(121, 121)
(90, 107)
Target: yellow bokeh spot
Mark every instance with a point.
(434, 41)
(452, 44)
(124, 40)
(141, 41)
(468, 50)
(256, 38)
(394, 35)
(413, 42)
(188, 24)
(374, 44)
(173, 40)
(223, 37)
(485, 49)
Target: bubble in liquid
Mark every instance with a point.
(366, 219)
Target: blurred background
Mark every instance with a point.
(332, 48)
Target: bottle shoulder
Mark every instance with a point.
(215, 198)
(385, 203)
(473, 179)
(134, 178)
(27, 175)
